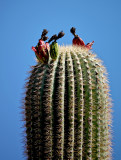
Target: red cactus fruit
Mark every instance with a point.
(39, 56)
(79, 42)
(41, 50)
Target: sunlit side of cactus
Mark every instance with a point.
(67, 108)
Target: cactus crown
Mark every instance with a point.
(42, 54)
(73, 31)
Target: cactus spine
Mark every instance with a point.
(67, 108)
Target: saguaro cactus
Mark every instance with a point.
(67, 108)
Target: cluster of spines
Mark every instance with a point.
(33, 112)
(67, 109)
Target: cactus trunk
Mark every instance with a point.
(67, 108)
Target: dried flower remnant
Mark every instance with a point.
(78, 41)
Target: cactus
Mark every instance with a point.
(67, 108)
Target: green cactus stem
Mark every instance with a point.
(67, 108)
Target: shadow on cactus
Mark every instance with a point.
(67, 106)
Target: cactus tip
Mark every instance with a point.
(61, 34)
(73, 31)
(44, 32)
(43, 36)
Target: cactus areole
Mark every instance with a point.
(67, 107)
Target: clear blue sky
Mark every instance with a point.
(21, 24)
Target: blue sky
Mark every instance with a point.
(21, 25)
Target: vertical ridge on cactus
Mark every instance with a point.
(69, 117)
(58, 109)
(87, 145)
(67, 108)
(79, 106)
